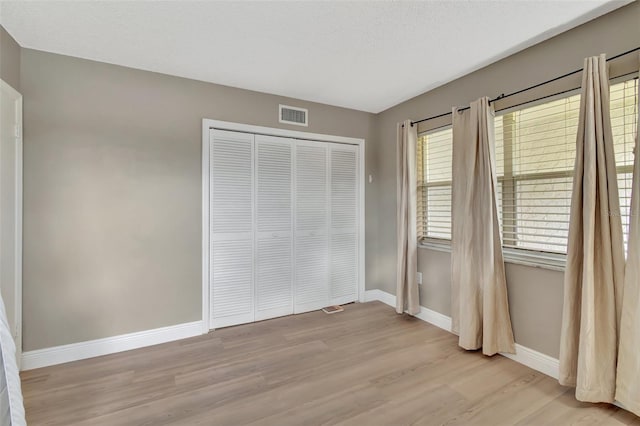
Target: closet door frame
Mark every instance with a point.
(207, 126)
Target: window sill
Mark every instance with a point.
(536, 259)
(437, 245)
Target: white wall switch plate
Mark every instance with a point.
(419, 278)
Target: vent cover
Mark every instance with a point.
(293, 115)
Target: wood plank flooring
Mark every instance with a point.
(364, 366)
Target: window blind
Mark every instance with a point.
(535, 156)
(434, 184)
(624, 125)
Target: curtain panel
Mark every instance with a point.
(595, 253)
(406, 211)
(480, 310)
(628, 368)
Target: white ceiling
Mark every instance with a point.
(362, 55)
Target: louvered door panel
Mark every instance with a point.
(232, 183)
(311, 227)
(274, 266)
(311, 273)
(232, 293)
(231, 216)
(343, 243)
(274, 278)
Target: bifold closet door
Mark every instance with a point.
(311, 226)
(231, 223)
(274, 226)
(284, 226)
(344, 225)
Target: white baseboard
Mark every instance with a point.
(108, 345)
(536, 360)
(435, 318)
(379, 295)
(526, 356)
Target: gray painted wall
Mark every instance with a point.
(535, 295)
(112, 192)
(535, 298)
(9, 59)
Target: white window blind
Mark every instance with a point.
(624, 123)
(434, 184)
(535, 155)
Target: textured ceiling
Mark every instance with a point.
(362, 55)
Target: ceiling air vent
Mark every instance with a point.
(293, 115)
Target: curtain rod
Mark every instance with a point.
(503, 96)
(538, 99)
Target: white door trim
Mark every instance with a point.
(7, 90)
(207, 125)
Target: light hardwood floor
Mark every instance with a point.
(364, 366)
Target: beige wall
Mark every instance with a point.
(9, 59)
(112, 192)
(535, 294)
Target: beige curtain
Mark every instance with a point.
(595, 257)
(407, 269)
(480, 310)
(628, 375)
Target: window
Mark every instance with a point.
(624, 124)
(535, 155)
(434, 185)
